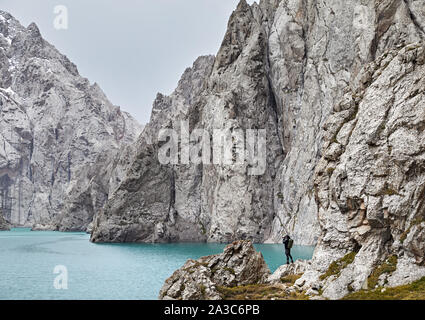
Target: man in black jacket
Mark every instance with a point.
(287, 241)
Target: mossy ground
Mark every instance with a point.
(337, 266)
(259, 292)
(290, 279)
(388, 266)
(412, 291)
(264, 291)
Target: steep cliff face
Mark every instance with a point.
(370, 183)
(205, 201)
(53, 125)
(143, 207)
(316, 49)
(282, 66)
(88, 193)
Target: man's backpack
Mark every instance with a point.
(290, 243)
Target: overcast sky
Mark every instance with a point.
(132, 49)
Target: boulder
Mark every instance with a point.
(298, 267)
(239, 264)
(54, 126)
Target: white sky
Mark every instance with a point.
(132, 49)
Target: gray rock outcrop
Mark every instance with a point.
(156, 202)
(54, 124)
(239, 264)
(296, 268)
(4, 224)
(283, 66)
(370, 183)
(90, 191)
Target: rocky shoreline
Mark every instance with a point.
(240, 273)
(58, 132)
(239, 266)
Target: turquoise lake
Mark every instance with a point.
(100, 271)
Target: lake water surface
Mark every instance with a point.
(100, 271)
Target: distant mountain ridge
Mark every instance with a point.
(53, 125)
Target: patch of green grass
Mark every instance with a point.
(388, 192)
(196, 264)
(337, 266)
(412, 291)
(254, 291)
(290, 279)
(214, 270)
(258, 292)
(388, 266)
(203, 289)
(231, 270)
(330, 171)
